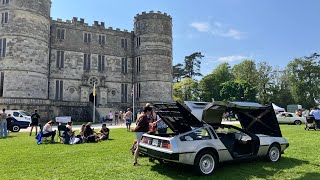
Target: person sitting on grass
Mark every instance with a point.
(70, 132)
(89, 134)
(47, 131)
(104, 132)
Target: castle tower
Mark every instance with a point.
(153, 57)
(24, 37)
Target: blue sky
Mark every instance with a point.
(275, 31)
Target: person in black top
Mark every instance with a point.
(9, 119)
(34, 121)
(141, 128)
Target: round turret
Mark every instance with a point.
(153, 56)
(25, 31)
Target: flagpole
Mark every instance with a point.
(94, 103)
(133, 97)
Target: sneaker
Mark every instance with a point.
(136, 164)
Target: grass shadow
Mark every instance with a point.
(232, 170)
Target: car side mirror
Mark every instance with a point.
(21, 116)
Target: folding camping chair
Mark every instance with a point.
(62, 130)
(43, 139)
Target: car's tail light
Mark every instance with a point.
(144, 140)
(166, 144)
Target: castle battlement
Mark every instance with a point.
(81, 22)
(145, 14)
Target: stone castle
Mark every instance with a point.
(52, 65)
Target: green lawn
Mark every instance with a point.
(22, 158)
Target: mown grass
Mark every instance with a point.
(22, 158)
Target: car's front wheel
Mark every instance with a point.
(274, 153)
(297, 122)
(15, 128)
(206, 162)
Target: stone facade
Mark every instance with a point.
(57, 60)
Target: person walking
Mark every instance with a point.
(34, 121)
(3, 124)
(116, 118)
(141, 128)
(110, 117)
(128, 118)
(316, 113)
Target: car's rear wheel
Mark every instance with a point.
(297, 122)
(206, 162)
(15, 128)
(274, 153)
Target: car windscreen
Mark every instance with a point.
(24, 113)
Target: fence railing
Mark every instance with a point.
(45, 102)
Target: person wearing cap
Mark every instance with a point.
(34, 121)
(48, 131)
(141, 128)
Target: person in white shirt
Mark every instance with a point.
(316, 114)
(47, 130)
(111, 117)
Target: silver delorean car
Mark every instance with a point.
(207, 142)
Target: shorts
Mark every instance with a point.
(34, 123)
(128, 122)
(139, 136)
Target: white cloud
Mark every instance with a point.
(200, 26)
(231, 59)
(217, 29)
(233, 33)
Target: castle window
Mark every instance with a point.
(102, 39)
(87, 37)
(124, 93)
(86, 62)
(5, 1)
(60, 33)
(1, 83)
(101, 63)
(124, 43)
(60, 59)
(3, 47)
(124, 65)
(59, 90)
(138, 90)
(4, 17)
(138, 61)
(138, 41)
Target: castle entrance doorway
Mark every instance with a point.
(92, 98)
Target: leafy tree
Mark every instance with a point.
(304, 78)
(178, 72)
(246, 71)
(210, 84)
(192, 65)
(186, 90)
(238, 90)
(264, 73)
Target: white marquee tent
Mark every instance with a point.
(277, 108)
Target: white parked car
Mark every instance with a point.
(290, 118)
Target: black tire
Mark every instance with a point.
(15, 128)
(274, 153)
(206, 163)
(297, 122)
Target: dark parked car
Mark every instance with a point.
(16, 125)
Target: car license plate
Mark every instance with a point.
(155, 142)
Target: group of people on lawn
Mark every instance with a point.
(87, 133)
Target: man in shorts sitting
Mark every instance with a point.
(104, 131)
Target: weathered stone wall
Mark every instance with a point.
(26, 63)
